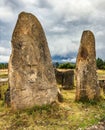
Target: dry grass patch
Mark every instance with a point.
(101, 74)
(68, 115)
(3, 73)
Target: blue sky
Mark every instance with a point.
(63, 22)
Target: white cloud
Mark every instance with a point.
(6, 14)
(4, 59)
(29, 2)
(58, 29)
(4, 51)
(63, 22)
(62, 46)
(72, 10)
(73, 60)
(99, 33)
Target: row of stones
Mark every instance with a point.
(31, 74)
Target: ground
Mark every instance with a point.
(67, 115)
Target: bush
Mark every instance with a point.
(100, 63)
(66, 66)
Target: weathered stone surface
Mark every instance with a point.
(31, 75)
(60, 96)
(7, 97)
(65, 78)
(86, 78)
(3, 81)
(59, 77)
(102, 85)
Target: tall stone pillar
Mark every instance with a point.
(86, 77)
(31, 75)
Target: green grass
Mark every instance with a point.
(3, 90)
(68, 115)
(3, 75)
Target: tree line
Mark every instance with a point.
(66, 65)
(3, 65)
(99, 63)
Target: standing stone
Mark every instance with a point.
(59, 77)
(102, 85)
(31, 75)
(65, 78)
(86, 78)
(68, 79)
(7, 97)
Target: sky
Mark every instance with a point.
(63, 22)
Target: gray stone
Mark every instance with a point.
(86, 78)
(31, 75)
(59, 77)
(65, 78)
(102, 85)
(7, 97)
(60, 96)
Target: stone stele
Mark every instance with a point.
(65, 78)
(86, 77)
(31, 74)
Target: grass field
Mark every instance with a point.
(67, 115)
(101, 74)
(3, 73)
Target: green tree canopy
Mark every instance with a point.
(100, 63)
(67, 65)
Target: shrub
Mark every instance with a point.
(67, 65)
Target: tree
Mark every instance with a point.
(67, 65)
(56, 64)
(3, 65)
(100, 63)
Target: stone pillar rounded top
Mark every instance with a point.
(86, 77)
(87, 47)
(31, 74)
(29, 24)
